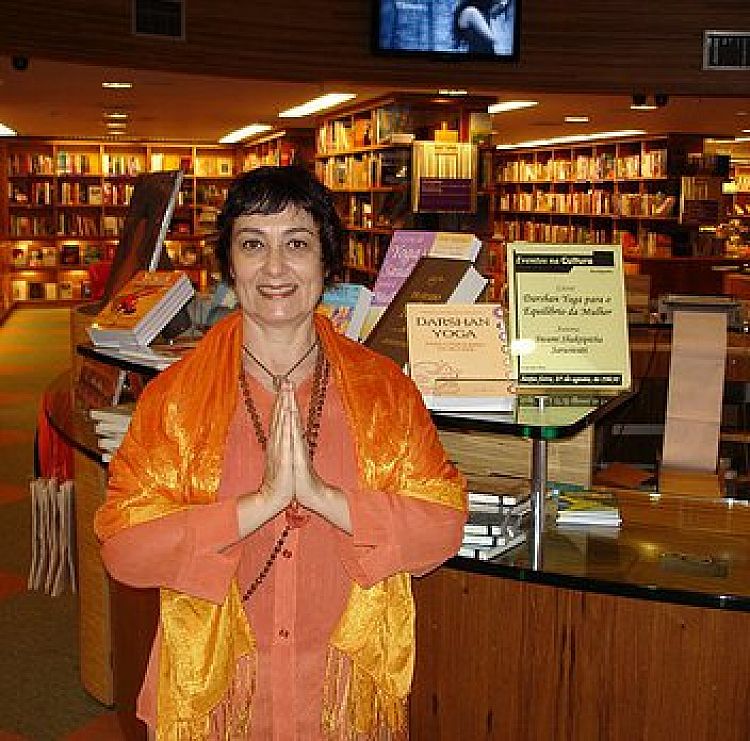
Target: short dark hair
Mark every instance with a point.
(269, 190)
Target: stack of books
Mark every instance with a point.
(401, 278)
(111, 424)
(496, 524)
(141, 309)
(157, 356)
(588, 508)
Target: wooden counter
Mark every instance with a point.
(636, 634)
(632, 634)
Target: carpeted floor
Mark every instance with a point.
(41, 698)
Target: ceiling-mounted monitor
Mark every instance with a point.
(448, 29)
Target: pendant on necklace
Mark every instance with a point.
(295, 517)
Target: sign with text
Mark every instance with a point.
(567, 316)
(446, 194)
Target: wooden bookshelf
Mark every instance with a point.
(624, 191)
(64, 203)
(364, 155)
(294, 146)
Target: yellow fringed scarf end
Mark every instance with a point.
(355, 708)
(229, 720)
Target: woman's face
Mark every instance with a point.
(277, 265)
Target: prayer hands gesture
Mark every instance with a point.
(289, 474)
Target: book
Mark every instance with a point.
(503, 521)
(433, 280)
(141, 308)
(36, 290)
(116, 414)
(70, 254)
(405, 249)
(65, 290)
(157, 357)
(459, 356)
(110, 443)
(588, 508)
(488, 552)
(346, 305)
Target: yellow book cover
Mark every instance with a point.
(140, 296)
(458, 356)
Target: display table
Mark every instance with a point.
(636, 633)
(540, 418)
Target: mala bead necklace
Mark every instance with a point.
(294, 518)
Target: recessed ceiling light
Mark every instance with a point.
(7, 131)
(116, 115)
(116, 125)
(511, 105)
(742, 113)
(449, 91)
(244, 133)
(315, 105)
(577, 119)
(117, 85)
(573, 138)
(746, 131)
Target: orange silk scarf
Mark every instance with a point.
(172, 457)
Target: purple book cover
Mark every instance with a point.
(403, 253)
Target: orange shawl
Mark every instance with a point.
(172, 457)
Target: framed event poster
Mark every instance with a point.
(568, 323)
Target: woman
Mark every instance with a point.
(472, 24)
(280, 485)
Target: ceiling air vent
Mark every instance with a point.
(163, 18)
(726, 50)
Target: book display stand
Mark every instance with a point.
(540, 418)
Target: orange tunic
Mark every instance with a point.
(297, 607)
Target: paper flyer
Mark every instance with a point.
(567, 316)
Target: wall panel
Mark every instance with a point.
(617, 46)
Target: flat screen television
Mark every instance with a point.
(448, 29)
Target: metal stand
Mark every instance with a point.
(538, 488)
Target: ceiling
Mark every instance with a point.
(58, 99)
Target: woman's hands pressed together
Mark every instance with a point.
(289, 474)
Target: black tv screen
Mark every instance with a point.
(454, 29)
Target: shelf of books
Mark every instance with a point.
(287, 147)
(364, 155)
(63, 206)
(624, 191)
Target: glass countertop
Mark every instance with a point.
(538, 416)
(702, 568)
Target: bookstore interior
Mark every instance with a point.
(573, 307)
